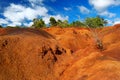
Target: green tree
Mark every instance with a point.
(59, 23)
(53, 22)
(65, 23)
(62, 23)
(9, 27)
(77, 24)
(38, 23)
(14, 27)
(18, 27)
(95, 22)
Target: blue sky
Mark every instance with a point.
(22, 12)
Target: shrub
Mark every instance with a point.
(38, 23)
(53, 22)
(95, 22)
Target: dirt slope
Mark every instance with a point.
(90, 63)
(28, 54)
(73, 38)
(59, 54)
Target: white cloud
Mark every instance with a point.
(46, 18)
(57, 17)
(28, 24)
(13, 24)
(84, 10)
(116, 21)
(18, 15)
(102, 5)
(110, 22)
(67, 8)
(108, 14)
(3, 21)
(14, 12)
(113, 21)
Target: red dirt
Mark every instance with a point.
(59, 54)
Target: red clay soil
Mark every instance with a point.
(28, 54)
(59, 54)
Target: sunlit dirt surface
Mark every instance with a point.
(59, 54)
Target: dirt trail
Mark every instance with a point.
(59, 54)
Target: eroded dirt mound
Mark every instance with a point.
(28, 54)
(89, 62)
(59, 54)
(73, 38)
(111, 41)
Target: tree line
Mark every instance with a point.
(92, 22)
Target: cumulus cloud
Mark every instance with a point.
(13, 24)
(67, 8)
(110, 22)
(28, 24)
(3, 21)
(101, 6)
(84, 10)
(57, 17)
(116, 21)
(19, 14)
(113, 21)
(46, 18)
(106, 13)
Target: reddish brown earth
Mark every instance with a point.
(59, 54)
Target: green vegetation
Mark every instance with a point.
(14, 27)
(91, 22)
(77, 24)
(53, 22)
(95, 22)
(38, 23)
(63, 24)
